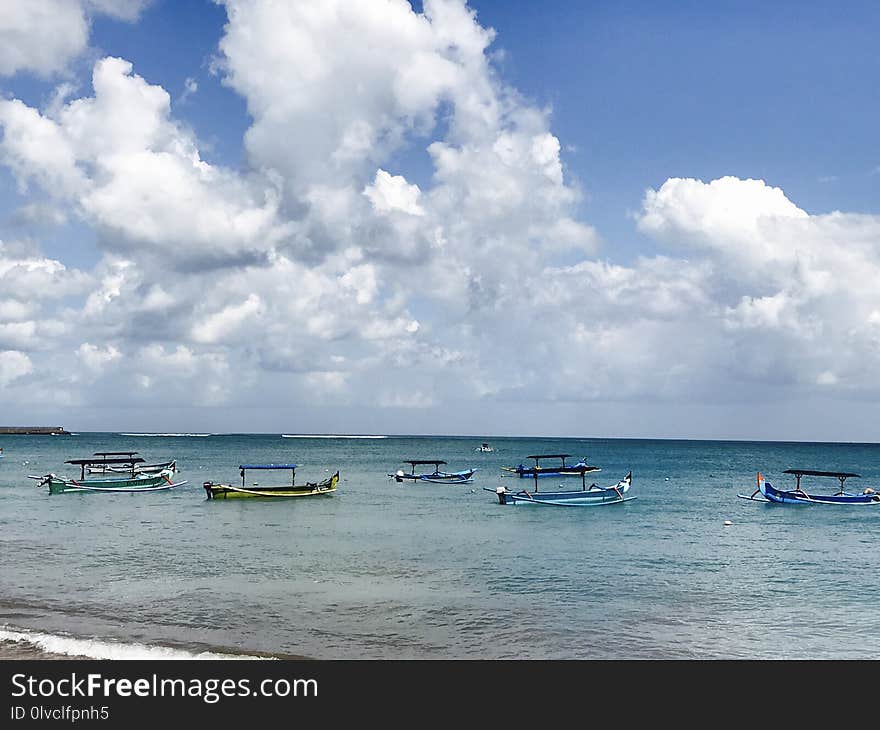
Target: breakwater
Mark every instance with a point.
(33, 431)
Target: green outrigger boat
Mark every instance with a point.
(127, 478)
(309, 489)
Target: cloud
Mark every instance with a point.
(13, 365)
(346, 104)
(392, 192)
(43, 36)
(795, 290)
(190, 87)
(97, 358)
(128, 10)
(136, 175)
(220, 325)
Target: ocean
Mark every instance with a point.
(388, 570)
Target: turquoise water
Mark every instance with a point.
(388, 570)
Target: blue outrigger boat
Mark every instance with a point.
(769, 493)
(591, 496)
(436, 476)
(556, 470)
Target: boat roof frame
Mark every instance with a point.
(98, 462)
(814, 473)
(416, 462)
(267, 466)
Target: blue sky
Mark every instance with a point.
(625, 98)
(645, 91)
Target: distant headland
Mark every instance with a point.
(34, 430)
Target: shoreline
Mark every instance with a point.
(18, 643)
(23, 651)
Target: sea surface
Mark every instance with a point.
(384, 570)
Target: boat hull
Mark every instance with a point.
(447, 480)
(167, 466)
(144, 483)
(228, 491)
(440, 477)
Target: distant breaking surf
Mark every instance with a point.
(326, 436)
(176, 435)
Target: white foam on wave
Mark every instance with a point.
(103, 648)
(326, 436)
(168, 435)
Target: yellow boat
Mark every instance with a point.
(309, 489)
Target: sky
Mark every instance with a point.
(605, 219)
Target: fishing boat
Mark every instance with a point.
(587, 496)
(436, 476)
(309, 489)
(130, 481)
(554, 470)
(484, 447)
(769, 493)
(150, 468)
(102, 467)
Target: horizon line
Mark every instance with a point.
(203, 434)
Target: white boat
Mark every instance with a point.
(593, 495)
(484, 447)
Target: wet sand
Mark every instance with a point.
(24, 650)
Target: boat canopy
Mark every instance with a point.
(267, 466)
(812, 473)
(414, 462)
(87, 462)
(549, 456)
(114, 453)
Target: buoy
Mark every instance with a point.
(727, 522)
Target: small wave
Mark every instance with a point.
(103, 648)
(326, 436)
(167, 435)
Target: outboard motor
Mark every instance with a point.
(502, 495)
(398, 476)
